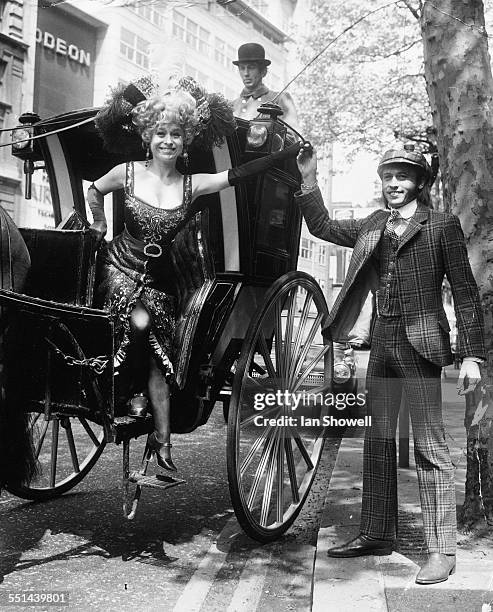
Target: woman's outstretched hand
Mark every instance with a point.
(307, 163)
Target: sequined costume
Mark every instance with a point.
(127, 274)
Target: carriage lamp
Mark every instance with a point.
(23, 147)
(265, 134)
(22, 143)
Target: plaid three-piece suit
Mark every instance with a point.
(408, 351)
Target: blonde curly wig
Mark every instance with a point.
(171, 107)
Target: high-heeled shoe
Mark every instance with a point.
(155, 447)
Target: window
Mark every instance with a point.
(4, 81)
(224, 54)
(178, 25)
(194, 35)
(149, 13)
(322, 254)
(134, 48)
(220, 51)
(231, 54)
(197, 37)
(191, 33)
(204, 45)
(306, 248)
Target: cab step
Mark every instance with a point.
(158, 481)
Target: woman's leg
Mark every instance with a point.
(140, 327)
(158, 388)
(159, 396)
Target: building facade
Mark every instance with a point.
(85, 47)
(17, 31)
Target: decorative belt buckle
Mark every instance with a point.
(152, 249)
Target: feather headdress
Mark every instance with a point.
(215, 118)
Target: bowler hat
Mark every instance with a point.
(404, 156)
(251, 52)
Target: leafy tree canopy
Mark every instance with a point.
(370, 82)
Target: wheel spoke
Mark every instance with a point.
(89, 431)
(289, 329)
(281, 374)
(34, 420)
(264, 458)
(54, 450)
(298, 363)
(310, 367)
(264, 351)
(291, 469)
(269, 482)
(280, 477)
(71, 445)
(41, 438)
(303, 319)
(301, 327)
(265, 413)
(299, 443)
(253, 449)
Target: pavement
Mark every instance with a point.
(387, 583)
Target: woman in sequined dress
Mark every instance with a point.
(135, 273)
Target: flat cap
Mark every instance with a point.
(408, 156)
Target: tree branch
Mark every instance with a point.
(414, 12)
(374, 58)
(401, 77)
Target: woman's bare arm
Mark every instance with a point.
(202, 184)
(112, 180)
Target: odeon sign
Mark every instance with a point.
(62, 47)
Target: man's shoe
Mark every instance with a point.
(437, 569)
(360, 546)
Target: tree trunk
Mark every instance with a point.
(460, 88)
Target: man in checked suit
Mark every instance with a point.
(402, 258)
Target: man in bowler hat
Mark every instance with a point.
(402, 254)
(252, 67)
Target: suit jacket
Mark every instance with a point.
(431, 247)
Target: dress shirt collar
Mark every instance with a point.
(262, 90)
(408, 210)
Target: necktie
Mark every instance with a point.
(392, 223)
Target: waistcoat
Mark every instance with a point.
(387, 295)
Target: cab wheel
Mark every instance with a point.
(271, 468)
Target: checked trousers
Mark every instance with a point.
(396, 368)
